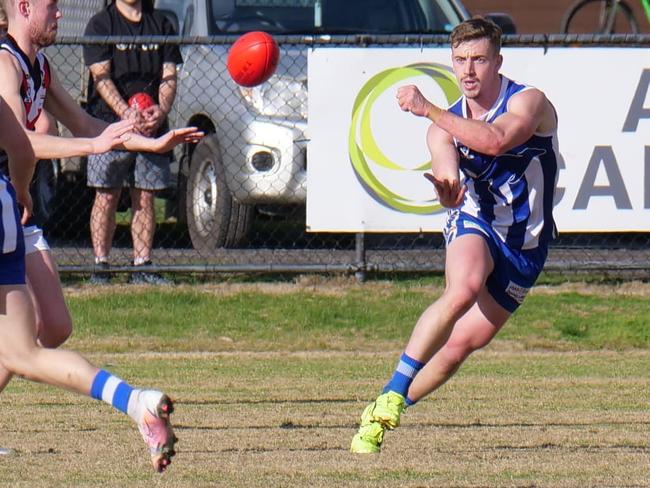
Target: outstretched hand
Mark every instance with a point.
(451, 193)
(174, 137)
(410, 99)
(113, 136)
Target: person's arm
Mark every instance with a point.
(167, 89)
(155, 116)
(165, 143)
(10, 83)
(445, 167)
(98, 58)
(57, 101)
(22, 159)
(101, 73)
(444, 155)
(47, 146)
(526, 112)
(171, 55)
(60, 104)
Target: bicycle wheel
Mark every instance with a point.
(593, 17)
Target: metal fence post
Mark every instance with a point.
(360, 248)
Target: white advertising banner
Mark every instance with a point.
(366, 157)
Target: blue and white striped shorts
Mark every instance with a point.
(515, 271)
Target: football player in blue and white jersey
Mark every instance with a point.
(501, 135)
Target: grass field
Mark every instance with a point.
(270, 379)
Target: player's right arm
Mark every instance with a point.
(528, 111)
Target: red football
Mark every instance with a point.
(252, 59)
(141, 101)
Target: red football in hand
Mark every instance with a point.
(141, 101)
(252, 59)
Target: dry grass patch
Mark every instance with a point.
(318, 285)
(340, 284)
(510, 418)
(631, 289)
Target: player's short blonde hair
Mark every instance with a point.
(477, 28)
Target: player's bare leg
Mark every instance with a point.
(20, 354)
(473, 331)
(468, 263)
(54, 323)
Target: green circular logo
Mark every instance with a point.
(365, 153)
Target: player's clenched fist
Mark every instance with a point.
(411, 100)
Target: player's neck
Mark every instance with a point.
(24, 42)
(131, 12)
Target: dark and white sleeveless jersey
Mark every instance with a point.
(512, 192)
(35, 82)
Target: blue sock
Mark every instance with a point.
(409, 402)
(112, 390)
(403, 376)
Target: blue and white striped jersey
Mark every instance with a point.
(512, 192)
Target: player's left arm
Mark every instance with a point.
(526, 113)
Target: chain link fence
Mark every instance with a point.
(237, 199)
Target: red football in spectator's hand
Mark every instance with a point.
(141, 101)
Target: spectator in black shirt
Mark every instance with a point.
(118, 72)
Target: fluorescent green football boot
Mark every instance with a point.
(388, 409)
(370, 436)
(384, 413)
